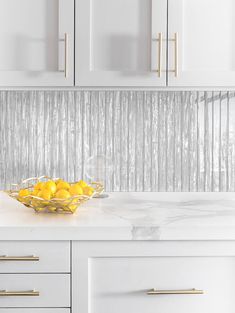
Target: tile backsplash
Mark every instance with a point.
(133, 140)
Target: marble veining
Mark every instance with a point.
(132, 140)
(127, 216)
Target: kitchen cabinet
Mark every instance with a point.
(117, 42)
(124, 43)
(37, 43)
(35, 290)
(175, 43)
(205, 44)
(131, 252)
(196, 277)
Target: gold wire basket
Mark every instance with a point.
(61, 206)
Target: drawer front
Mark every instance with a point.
(35, 290)
(121, 284)
(34, 256)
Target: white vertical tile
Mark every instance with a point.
(71, 158)
(116, 142)
(108, 162)
(132, 125)
(155, 116)
(149, 141)
(78, 136)
(147, 116)
(124, 141)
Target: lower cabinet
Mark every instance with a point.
(35, 277)
(35, 290)
(150, 277)
(119, 277)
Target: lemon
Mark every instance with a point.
(24, 193)
(88, 191)
(39, 186)
(62, 194)
(50, 185)
(58, 181)
(45, 194)
(63, 185)
(76, 190)
(35, 192)
(82, 183)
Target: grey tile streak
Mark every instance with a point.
(138, 140)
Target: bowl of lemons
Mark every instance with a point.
(48, 195)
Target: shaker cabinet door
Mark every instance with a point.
(121, 43)
(202, 43)
(37, 40)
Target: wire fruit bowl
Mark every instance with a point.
(54, 205)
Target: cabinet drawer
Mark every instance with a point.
(121, 284)
(34, 256)
(35, 290)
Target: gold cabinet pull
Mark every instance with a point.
(156, 292)
(30, 293)
(66, 55)
(176, 37)
(19, 258)
(159, 54)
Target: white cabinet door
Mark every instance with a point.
(206, 42)
(117, 42)
(37, 40)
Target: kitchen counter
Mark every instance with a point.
(126, 216)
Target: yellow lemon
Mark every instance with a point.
(63, 185)
(76, 190)
(62, 194)
(35, 192)
(39, 186)
(45, 194)
(51, 186)
(88, 191)
(24, 193)
(58, 181)
(82, 183)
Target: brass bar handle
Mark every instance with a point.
(176, 40)
(30, 293)
(19, 258)
(156, 292)
(159, 54)
(66, 41)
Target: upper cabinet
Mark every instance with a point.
(204, 53)
(155, 43)
(37, 42)
(117, 42)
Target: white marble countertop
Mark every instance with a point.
(126, 216)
